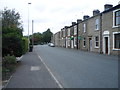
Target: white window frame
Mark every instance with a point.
(75, 30)
(114, 18)
(68, 31)
(84, 40)
(97, 24)
(114, 40)
(84, 27)
(64, 33)
(96, 41)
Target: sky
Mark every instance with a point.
(53, 14)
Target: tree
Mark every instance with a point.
(39, 38)
(47, 36)
(11, 33)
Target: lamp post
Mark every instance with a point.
(28, 27)
(32, 33)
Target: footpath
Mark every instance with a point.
(31, 73)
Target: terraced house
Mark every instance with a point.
(111, 29)
(99, 33)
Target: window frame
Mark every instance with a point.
(84, 27)
(97, 24)
(68, 31)
(75, 30)
(96, 42)
(84, 42)
(114, 40)
(114, 18)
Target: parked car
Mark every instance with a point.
(51, 45)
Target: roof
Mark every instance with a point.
(111, 9)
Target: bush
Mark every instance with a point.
(9, 63)
(9, 59)
(8, 66)
(25, 45)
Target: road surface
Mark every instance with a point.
(79, 69)
(55, 67)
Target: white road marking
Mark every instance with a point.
(51, 73)
(35, 68)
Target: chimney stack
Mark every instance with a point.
(73, 23)
(107, 6)
(79, 20)
(95, 12)
(85, 17)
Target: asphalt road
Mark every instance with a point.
(79, 69)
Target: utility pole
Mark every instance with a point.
(28, 28)
(32, 33)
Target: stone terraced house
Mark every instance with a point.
(99, 33)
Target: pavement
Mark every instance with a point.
(32, 73)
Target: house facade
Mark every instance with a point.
(111, 30)
(99, 33)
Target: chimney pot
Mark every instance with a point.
(95, 12)
(85, 17)
(107, 6)
(79, 20)
(73, 23)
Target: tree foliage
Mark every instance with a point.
(39, 38)
(12, 42)
(47, 36)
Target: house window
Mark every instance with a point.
(96, 42)
(75, 30)
(84, 27)
(69, 32)
(84, 43)
(63, 33)
(97, 24)
(116, 18)
(116, 40)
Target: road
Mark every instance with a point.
(79, 69)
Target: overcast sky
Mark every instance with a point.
(53, 14)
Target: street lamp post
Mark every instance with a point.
(32, 33)
(28, 27)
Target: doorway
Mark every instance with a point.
(106, 45)
(90, 44)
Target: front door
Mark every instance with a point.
(106, 45)
(66, 42)
(90, 44)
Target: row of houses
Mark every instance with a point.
(99, 33)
